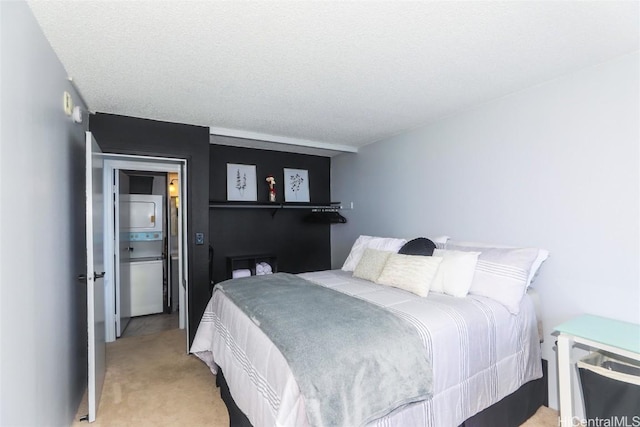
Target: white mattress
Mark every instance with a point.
(480, 353)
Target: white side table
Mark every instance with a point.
(597, 333)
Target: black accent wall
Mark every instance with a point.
(299, 246)
(129, 135)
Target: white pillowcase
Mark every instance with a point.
(440, 239)
(413, 273)
(381, 243)
(543, 254)
(455, 273)
(371, 264)
(502, 273)
(364, 242)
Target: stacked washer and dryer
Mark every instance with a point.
(145, 242)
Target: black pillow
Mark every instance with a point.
(419, 246)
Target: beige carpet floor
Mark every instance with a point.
(150, 381)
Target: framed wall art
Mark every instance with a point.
(241, 182)
(296, 185)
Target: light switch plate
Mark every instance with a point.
(67, 103)
(199, 238)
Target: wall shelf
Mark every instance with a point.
(322, 209)
(331, 206)
(250, 262)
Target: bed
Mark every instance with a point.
(480, 353)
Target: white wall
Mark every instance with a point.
(554, 166)
(43, 338)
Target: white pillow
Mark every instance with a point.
(543, 254)
(364, 242)
(440, 240)
(413, 273)
(455, 272)
(371, 264)
(501, 274)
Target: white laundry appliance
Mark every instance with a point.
(143, 231)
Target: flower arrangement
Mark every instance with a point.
(272, 188)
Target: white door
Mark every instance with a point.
(95, 274)
(122, 261)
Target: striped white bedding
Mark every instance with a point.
(480, 353)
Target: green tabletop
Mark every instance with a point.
(615, 333)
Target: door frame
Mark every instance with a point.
(117, 199)
(114, 162)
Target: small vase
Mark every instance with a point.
(272, 195)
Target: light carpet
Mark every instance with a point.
(151, 381)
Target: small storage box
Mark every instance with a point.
(610, 387)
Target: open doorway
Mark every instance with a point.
(145, 229)
(148, 231)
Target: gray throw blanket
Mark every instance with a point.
(353, 361)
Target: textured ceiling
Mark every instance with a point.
(345, 73)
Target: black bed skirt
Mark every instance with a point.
(511, 411)
(237, 418)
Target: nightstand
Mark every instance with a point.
(596, 333)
